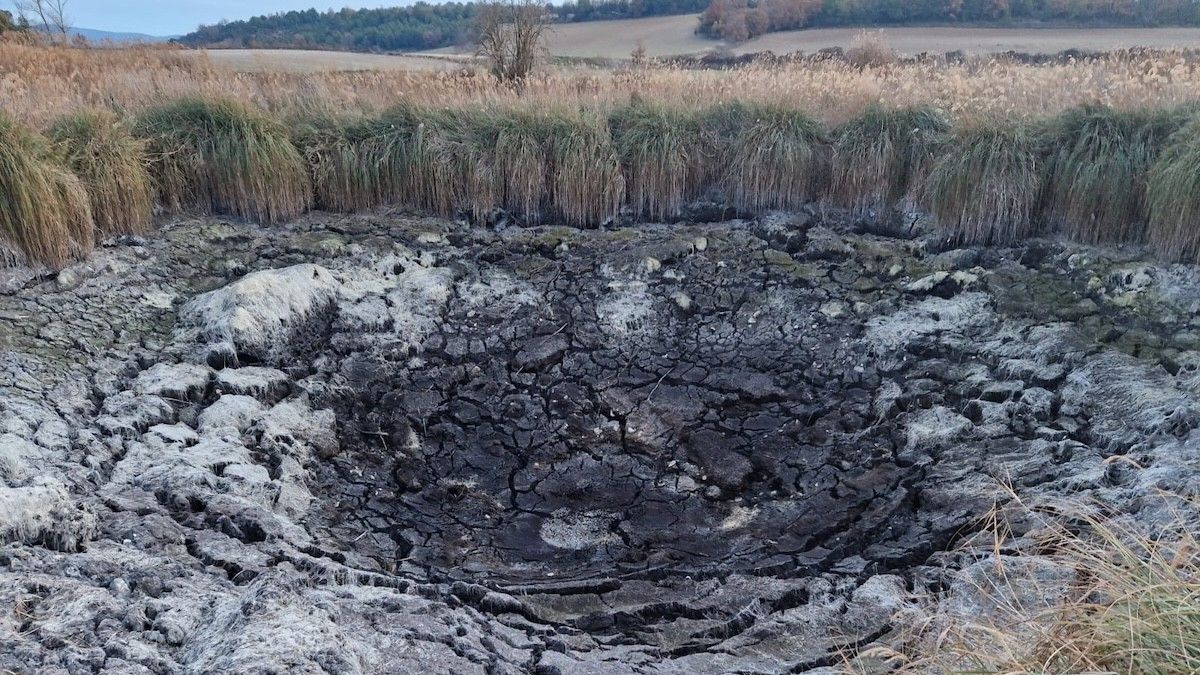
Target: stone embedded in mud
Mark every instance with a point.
(18, 457)
(128, 413)
(258, 316)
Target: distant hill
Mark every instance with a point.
(415, 27)
(94, 35)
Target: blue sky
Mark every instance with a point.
(173, 17)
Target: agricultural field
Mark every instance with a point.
(676, 36)
(846, 362)
(313, 61)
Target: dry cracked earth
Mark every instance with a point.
(392, 444)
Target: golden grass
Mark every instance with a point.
(580, 143)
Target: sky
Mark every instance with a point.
(175, 17)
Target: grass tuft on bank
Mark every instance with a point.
(219, 156)
(879, 155)
(983, 188)
(1174, 197)
(1098, 168)
(768, 156)
(662, 155)
(100, 149)
(45, 215)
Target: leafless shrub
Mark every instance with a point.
(870, 49)
(510, 38)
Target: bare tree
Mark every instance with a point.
(51, 14)
(510, 37)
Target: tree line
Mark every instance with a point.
(419, 26)
(743, 19)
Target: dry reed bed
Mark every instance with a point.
(971, 143)
(38, 84)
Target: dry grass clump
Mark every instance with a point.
(44, 211)
(984, 186)
(1174, 197)
(769, 157)
(1097, 171)
(662, 155)
(1133, 607)
(218, 156)
(99, 148)
(879, 153)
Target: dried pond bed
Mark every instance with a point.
(375, 443)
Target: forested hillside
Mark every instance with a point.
(743, 19)
(419, 26)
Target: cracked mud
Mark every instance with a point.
(384, 443)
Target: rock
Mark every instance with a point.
(825, 244)
(1032, 583)
(176, 434)
(541, 352)
(43, 513)
(260, 314)
(18, 457)
(943, 284)
(295, 429)
(936, 428)
(180, 381)
(266, 384)
(231, 411)
(128, 414)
